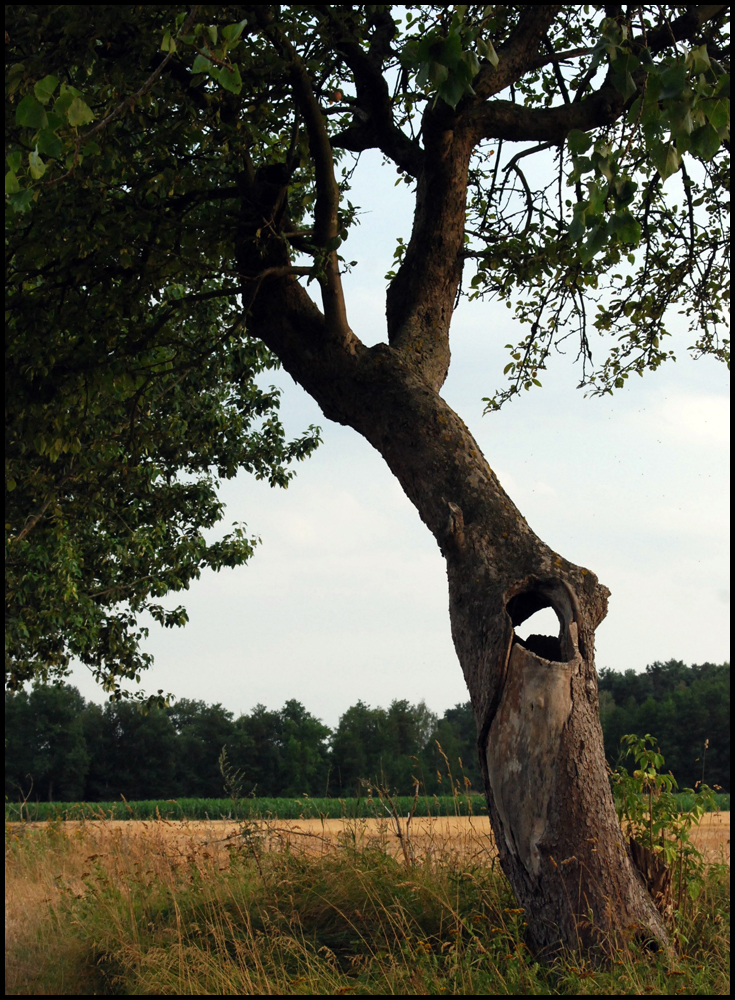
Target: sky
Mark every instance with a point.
(346, 598)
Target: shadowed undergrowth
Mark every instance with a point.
(99, 910)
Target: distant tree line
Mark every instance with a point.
(686, 708)
(74, 750)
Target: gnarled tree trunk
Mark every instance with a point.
(535, 701)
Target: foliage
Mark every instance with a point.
(687, 707)
(133, 913)
(46, 752)
(248, 808)
(134, 135)
(132, 387)
(650, 812)
(383, 746)
(61, 747)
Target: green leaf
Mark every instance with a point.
(626, 227)
(36, 165)
(718, 112)
(232, 32)
(594, 243)
(723, 87)
(491, 55)
(698, 59)
(578, 224)
(625, 189)
(12, 186)
(452, 91)
(646, 59)
(230, 79)
(64, 101)
(438, 73)
(409, 54)
(665, 159)
(680, 119)
(201, 64)
(597, 198)
(582, 166)
(50, 144)
(30, 113)
(621, 70)
(45, 88)
(470, 60)
(15, 160)
(168, 44)
(20, 202)
(450, 51)
(673, 81)
(578, 142)
(464, 75)
(705, 141)
(79, 113)
(428, 42)
(634, 111)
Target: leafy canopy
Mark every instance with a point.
(597, 209)
(132, 386)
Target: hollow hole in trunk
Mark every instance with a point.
(537, 624)
(537, 634)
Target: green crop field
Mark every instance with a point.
(264, 808)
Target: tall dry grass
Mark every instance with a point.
(162, 909)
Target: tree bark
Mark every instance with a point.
(535, 702)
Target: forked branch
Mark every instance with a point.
(326, 210)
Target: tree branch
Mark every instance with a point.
(684, 27)
(421, 297)
(516, 56)
(507, 120)
(555, 60)
(374, 127)
(32, 521)
(326, 210)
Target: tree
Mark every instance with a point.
(683, 707)
(358, 748)
(382, 746)
(202, 730)
(455, 734)
(46, 754)
(205, 149)
(132, 753)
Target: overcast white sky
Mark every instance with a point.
(346, 598)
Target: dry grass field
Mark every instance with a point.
(468, 838)
(304, 907)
